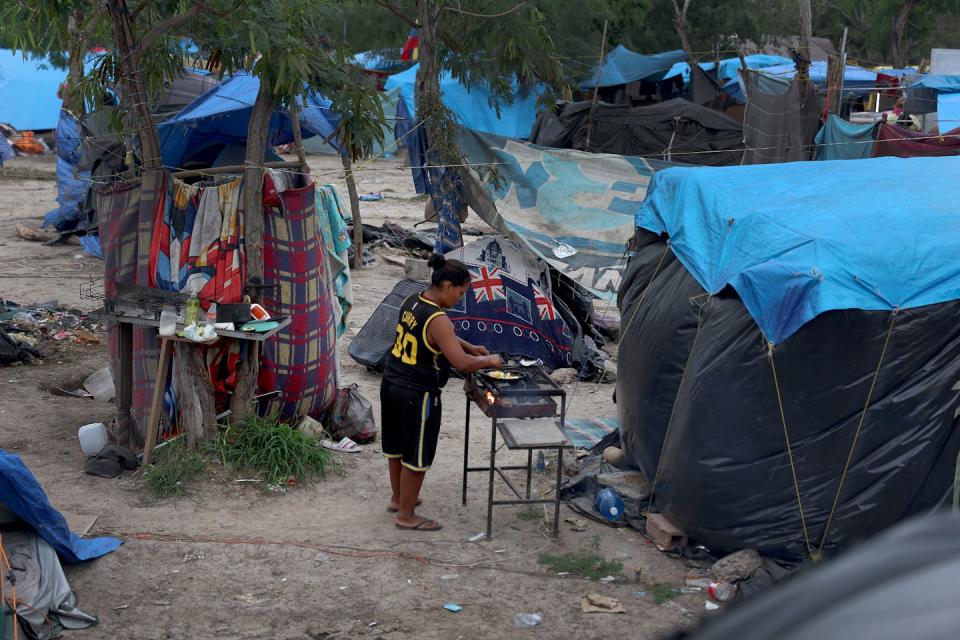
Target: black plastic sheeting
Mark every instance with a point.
(900, 585)
(724, 474)
(675, 130)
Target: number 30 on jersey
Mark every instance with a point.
(405, 346)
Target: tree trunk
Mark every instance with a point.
(680, 24)
(134, 88)
(72, 98)
(354, 208)
(898, 36)
(194, 394)
(249, 365)
(430, 108)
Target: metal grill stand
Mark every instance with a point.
(525, 415)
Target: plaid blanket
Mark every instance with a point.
(127, 212)
(300, 360)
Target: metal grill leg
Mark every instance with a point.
(493, 465)
(556, 497)
(466, 453)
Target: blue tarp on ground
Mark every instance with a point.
(471, 104)
(28, 91)
(71, 184)
(621, 66)
(221, 116)
(23, 495)
(842, 140)
(798, 239)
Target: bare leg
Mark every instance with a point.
(410, 483)
(395, 467)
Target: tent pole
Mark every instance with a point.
(297, 136)
(596, 86)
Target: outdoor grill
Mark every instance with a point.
(525, 413)
(530, 397)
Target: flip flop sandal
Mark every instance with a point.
(344, 446)
(392, 510)
(426, 525)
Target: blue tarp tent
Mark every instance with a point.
(221, 116)
(814, 236)
(28, 91)
(622, 66)
(22, 494)
(842, 140)
(947, 90)
(729, 66)
(471, 104)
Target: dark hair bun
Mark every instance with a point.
(436, 261)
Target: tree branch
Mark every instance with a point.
(169, 24)
(487, 15)
(399, 13)
(140, 7)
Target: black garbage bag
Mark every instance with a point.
(351, 416)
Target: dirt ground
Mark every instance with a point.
(324, 560)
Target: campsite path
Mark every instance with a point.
(327, 562)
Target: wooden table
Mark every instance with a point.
(125, 375)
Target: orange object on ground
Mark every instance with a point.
(26, 143)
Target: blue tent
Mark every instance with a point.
(621, 66)
(729, 66)
(472, 104)
(947, 90)
(815, 236)
(220, 117)
(22, 494)
(855, 79)
(28, 91)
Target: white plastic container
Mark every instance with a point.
(93, 438)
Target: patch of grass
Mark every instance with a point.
(533, 512)
(276, 451)
(175, 467)
(662, 592)
(586, 562)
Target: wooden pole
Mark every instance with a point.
(156, 403)
(806, 32)
(297, 136)
(354, 205)
(596, 86)
(843, 72)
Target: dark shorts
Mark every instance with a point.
(410, 420)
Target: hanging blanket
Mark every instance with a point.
(197, 248)
(337, 241)
(299, 360)
(127, 213)
(509, 307)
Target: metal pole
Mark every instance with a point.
(843, 71)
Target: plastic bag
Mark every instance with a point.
(351, 416)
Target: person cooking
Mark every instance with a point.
(415, 371)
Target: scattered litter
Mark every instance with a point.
(344, 446)
(190, 557)
(563, 573)
(372, 624)
(123, 606)
(450, 576)
(453, 607)
(576, 524)
(526, 620)
(500, 551)
(345, 588)
(100, 385)
(370, 197)
(710, 606)
(161, 603)
(311, 427)
(321, 557)
(691, 590)
(249, 598)
(596, 603)
(93, 438)
(737, 566)
(477, 538)
(639, 594)
(607, 579)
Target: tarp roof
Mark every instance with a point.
(221, 116)
(471, 105)
(621, 66)
(28, 91)
(729, 66)
(940, 84)
(814, 236)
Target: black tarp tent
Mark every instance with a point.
(673, 130)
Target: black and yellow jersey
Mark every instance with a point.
(413, 361)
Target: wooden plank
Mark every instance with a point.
(156, 404)
(236, 335)
(124, 384)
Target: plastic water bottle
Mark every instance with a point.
(527, 620)
(191, 313)
(722, 591)
(609, 504)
